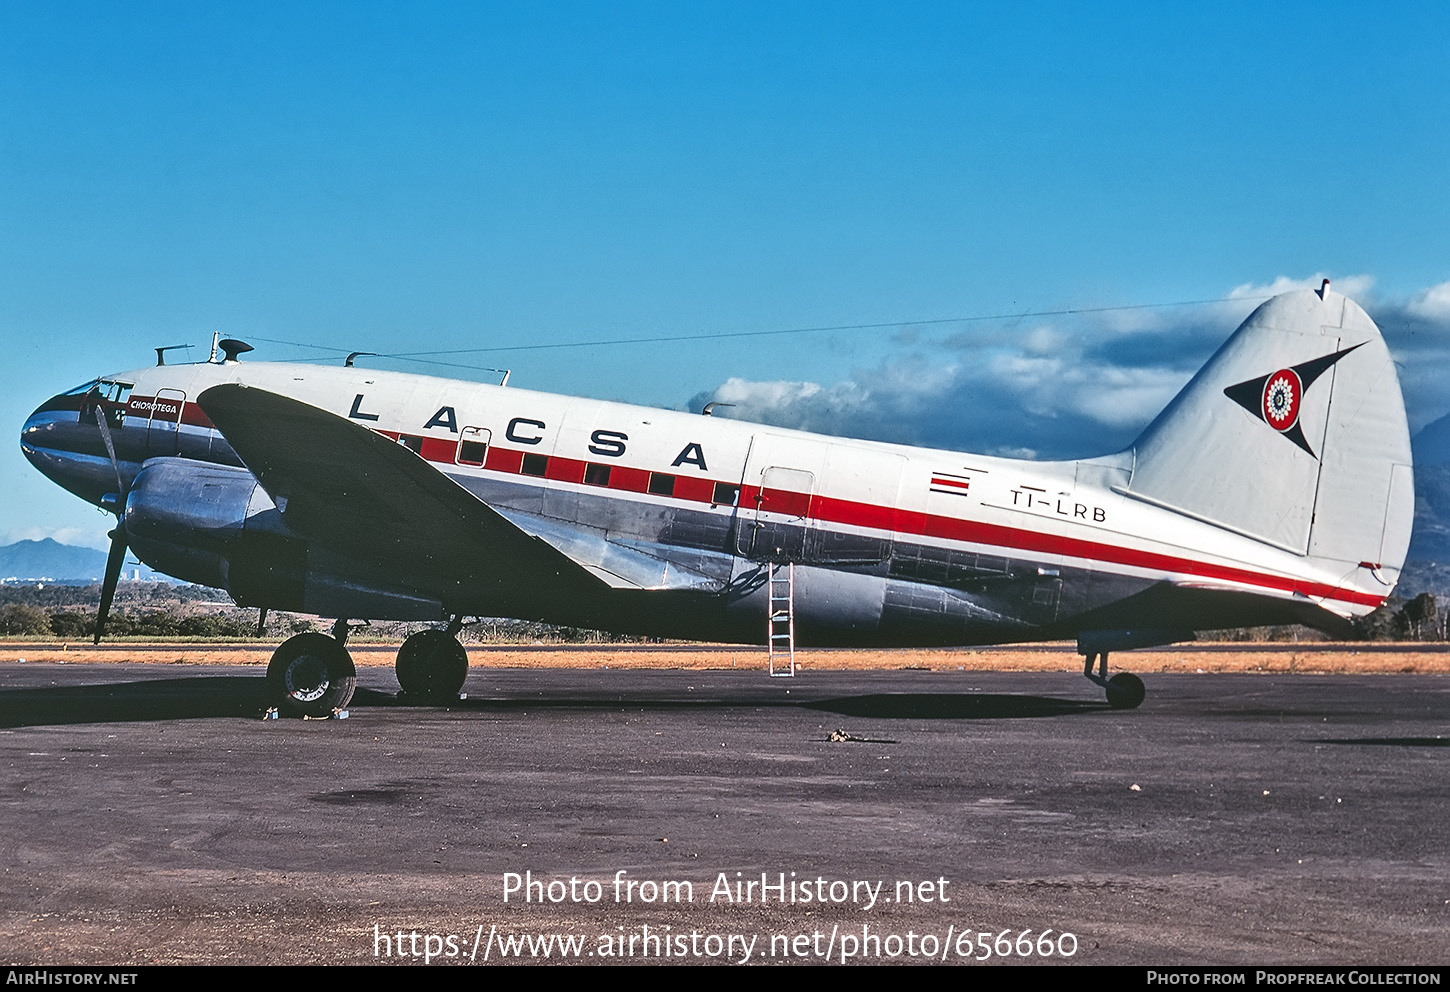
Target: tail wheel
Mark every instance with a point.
(432, 666)
(311, 675)
(1125, 691)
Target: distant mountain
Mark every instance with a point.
(1429, 559)
(1432, 445)
(51, 561)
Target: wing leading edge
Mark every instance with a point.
(357, 492)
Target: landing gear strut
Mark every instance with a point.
(311, 675)
(1125, 690)
(432, 664)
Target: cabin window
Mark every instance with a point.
(473, 446)
(412, 442)
(535, 465)
(725, 494)
(596, 474)
(661, 484)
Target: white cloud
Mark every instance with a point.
(1042, 341)
(799, 405)
(1356, 287)
(1079, 385)
(1433, 303)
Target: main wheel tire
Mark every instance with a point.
(1125, 691)
(311, 675)
(432, 666)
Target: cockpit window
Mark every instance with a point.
(110, 390)
(116, 392)
(109, 394)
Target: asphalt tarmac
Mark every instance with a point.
(150, 816)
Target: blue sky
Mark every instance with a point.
(410, 177)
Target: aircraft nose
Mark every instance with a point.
(32, 435)
(60, 445)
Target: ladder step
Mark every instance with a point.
(780, 619)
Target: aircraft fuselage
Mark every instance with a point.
(892, 544)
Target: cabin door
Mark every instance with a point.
(773, 520)
(162, 430)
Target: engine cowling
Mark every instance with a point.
(215, 525)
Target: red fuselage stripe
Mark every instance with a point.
(884, 518)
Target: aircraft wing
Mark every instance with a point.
(618, 565)
(359, 493)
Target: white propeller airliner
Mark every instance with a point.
(1276, 488)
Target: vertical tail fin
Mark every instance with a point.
(1293, 434)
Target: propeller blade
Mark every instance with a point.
(105, 427)
(117, 556)
(114, 560)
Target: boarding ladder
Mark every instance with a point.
(781, 630)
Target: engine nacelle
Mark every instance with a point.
(188, 519)
(216, 525)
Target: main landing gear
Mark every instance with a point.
(432, 665)
(312, 674)
(1125, 690)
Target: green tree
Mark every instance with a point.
(156, 623)
(1421, 613)
(72, 623)
(19, 618)
(202, 625)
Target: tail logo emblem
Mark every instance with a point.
(1276, 398)
(1281, 400)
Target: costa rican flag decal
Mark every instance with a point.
(1276, 398)
(951, 484)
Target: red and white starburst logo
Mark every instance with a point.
(1282, 392)
(1275, 399)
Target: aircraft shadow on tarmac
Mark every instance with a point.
(1386, 741)
(125, 702)
(953, 706)
(878, 706)
(197, 697)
